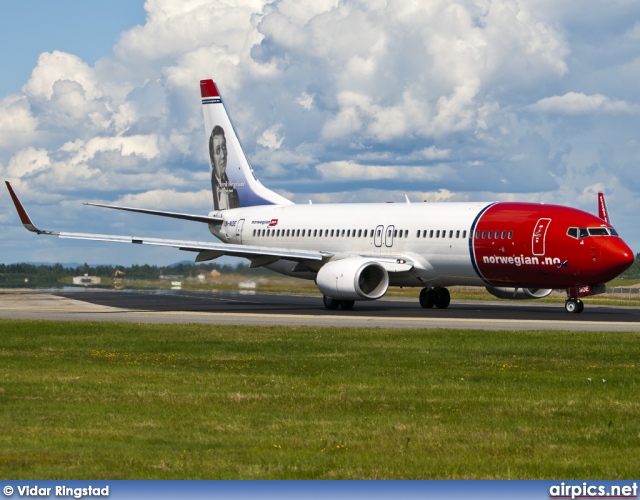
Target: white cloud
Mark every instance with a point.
(57, 67)
(351, 171)
(574, 103)
(196, 202)
(28, 162)
(270, 138)
(17, 124)
(305, 100)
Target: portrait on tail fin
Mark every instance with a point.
(225, 194)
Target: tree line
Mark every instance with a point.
(52, 273)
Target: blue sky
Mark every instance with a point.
(88, 29)
(335, 101)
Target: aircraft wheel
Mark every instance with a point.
(427, 298)
(443, 298)
(573, 305)
(347, 305)
(331, 304)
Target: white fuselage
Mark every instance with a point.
(435, 236)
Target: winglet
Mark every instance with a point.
(24, 216)
(602, 209)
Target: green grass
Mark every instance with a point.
(123, 401)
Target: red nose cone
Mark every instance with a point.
(618, 256)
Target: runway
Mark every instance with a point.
(298, 310)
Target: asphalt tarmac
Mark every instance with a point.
(300, 310)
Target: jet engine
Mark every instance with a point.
(353, 279)
(518, 293)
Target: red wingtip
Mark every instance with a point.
(208, 89)
(24, 218)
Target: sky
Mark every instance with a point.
(334, 101)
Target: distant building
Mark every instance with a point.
(86, 280)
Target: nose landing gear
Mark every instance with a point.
(574, 305)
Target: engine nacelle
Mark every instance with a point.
(353, 279)
(518, 293)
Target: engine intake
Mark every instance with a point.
(518, 293)
(353, 279)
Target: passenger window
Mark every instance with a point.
(458, 233)
(510, 235)
(490, 234)
(451, 234)
(438, 233)
(424, 233)
(484, 234)
(431, 234)
(477, 235)
(503, 235)
(464, 233)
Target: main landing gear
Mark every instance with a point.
(333, 304)
(573, 305)
(437, 296)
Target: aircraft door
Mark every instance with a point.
(539, 235)
(388, 236)
(239, 231)
(378, 235)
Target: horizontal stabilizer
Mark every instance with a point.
(174, 215)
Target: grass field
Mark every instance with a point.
(123, 401)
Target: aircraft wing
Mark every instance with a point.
(207, 250)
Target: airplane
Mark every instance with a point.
(356, 251)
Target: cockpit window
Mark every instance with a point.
(598, 231)
(583, 232)
(613, 232)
